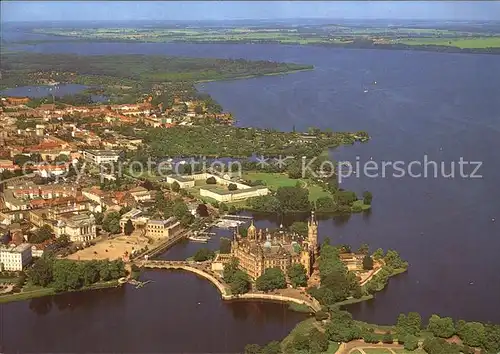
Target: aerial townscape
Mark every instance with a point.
(207, 182)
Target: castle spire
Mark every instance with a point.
(312, 231)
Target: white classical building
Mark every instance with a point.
(79, 227)
(15, 258)
(101, 156)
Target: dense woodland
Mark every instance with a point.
(128, 69)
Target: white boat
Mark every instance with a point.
(203, 239)
(365, 91)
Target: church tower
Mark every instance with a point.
(312, 232)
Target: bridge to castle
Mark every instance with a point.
(203, 269)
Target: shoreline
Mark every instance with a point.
(42, 292)
(291, 71)
(420, 48)
(227, 296)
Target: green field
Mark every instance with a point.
(469, 43)
(275, 180)
(376, 351)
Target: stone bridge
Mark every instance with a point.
(203, 269)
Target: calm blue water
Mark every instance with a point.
(49, 90)
(444, 106)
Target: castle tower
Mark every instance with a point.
(252, 232)
(312, 232)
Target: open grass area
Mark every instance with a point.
(376, 351)
(332, 348)
(303, 327)
(275, 180)
(470, 43)
(25, 295)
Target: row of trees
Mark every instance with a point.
(63, 274)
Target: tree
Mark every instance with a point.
(364, 249)
(378, 254)
(367, 198)
(252, 349)
(175, 187)
(471, 333)
(42, 234)
(240, 283)
(232, 187)
(367, 263)
(411, 342)
(441, 327)
(90, 272)
(111, 222)
(370, 337)
(180, 209)
(299, 228)
(202, 210)
(42, 271)
(318, 342)
(128, 228)
(211, 180)
(300, 341)
(387, 338)
(271, 279)
(67, 275)
(414, 322)
(321, 316)
(297, 274)
(392, 259)
(203, 254)
(293, 198)
(273, 347)
(225, 245)
(492, 338)
(229, 270)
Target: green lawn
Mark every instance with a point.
(332, 348)
(275, 180)
(302, 327)
(470, 43)
(376, 351)
(404, 351)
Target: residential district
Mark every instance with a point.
(60, 192)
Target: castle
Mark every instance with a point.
(281, 249)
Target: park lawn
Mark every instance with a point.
(469, 43)
(332, 348)
(376, 351)
(355, 351)
(363, 205)
(275, 180)
(303, 327)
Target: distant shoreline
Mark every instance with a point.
(420, 48)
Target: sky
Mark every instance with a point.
(12, 11)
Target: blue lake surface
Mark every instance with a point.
(50, 90)
(424, 107)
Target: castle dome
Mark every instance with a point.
(252, 227)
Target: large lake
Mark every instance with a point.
(443, 106)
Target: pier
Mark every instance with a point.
(236, 217)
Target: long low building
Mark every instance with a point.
(225, 195)
(219, 191)
(101, 156)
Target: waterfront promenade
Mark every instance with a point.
(203, 269)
